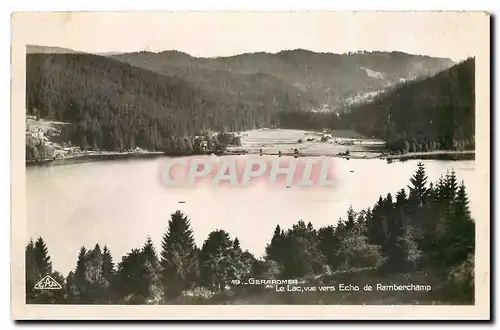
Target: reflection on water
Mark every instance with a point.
(120, 203)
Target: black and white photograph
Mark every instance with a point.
(251, 158)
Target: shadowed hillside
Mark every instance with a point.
(433, 113)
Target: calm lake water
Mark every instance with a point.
(120, 203)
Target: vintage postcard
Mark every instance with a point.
(250, 165)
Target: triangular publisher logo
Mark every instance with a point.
(47, 283)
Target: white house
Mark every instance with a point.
(37, 133)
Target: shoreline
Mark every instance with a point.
(104, 156)
(94, 157)
(437, 155)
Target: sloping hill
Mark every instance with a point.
(433, 113)
(114, 105)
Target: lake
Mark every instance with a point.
(119, 203)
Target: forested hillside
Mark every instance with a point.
(425, 114)
(114, 105)
(434, 113)
(327, 78)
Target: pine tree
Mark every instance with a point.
(461, 205)
(31, 272)
(431, 222)
(178, 256)
(241, 265)
(418, 190)
(71, 288)
(152, 272)
(108, 267)
(236, 245)
(93, 266)
(88, 284)
(216, 257)
(42, 258)
(150, 252)
(38, 265)
(351, 218)
(81, 283)
(328, 244)
(451, 185)
(459, 241)
(377, 227)
(274, 250)
(401, 199)
(131, 275)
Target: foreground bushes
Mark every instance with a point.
(426, 232)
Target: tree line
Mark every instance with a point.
(425, 228)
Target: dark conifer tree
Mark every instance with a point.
(150, 252)
(179, 258)
(401, 199)
(108, 267)
(351, 218)
(459, 240)
(216, 257)
(38, 266)
(42, 258)
(451, 185)
(152, 272)
(72, 297)
(328, 244)
(32, 275)
(418, 189)
(93, 269)
(274, 250)
(81, 282)
(132, 278)
(108, 274)
(241, 266)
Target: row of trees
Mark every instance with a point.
(426, 228)
(403, 145)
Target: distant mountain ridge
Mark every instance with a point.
(35, 49)
(327, 78)
(318, 80)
